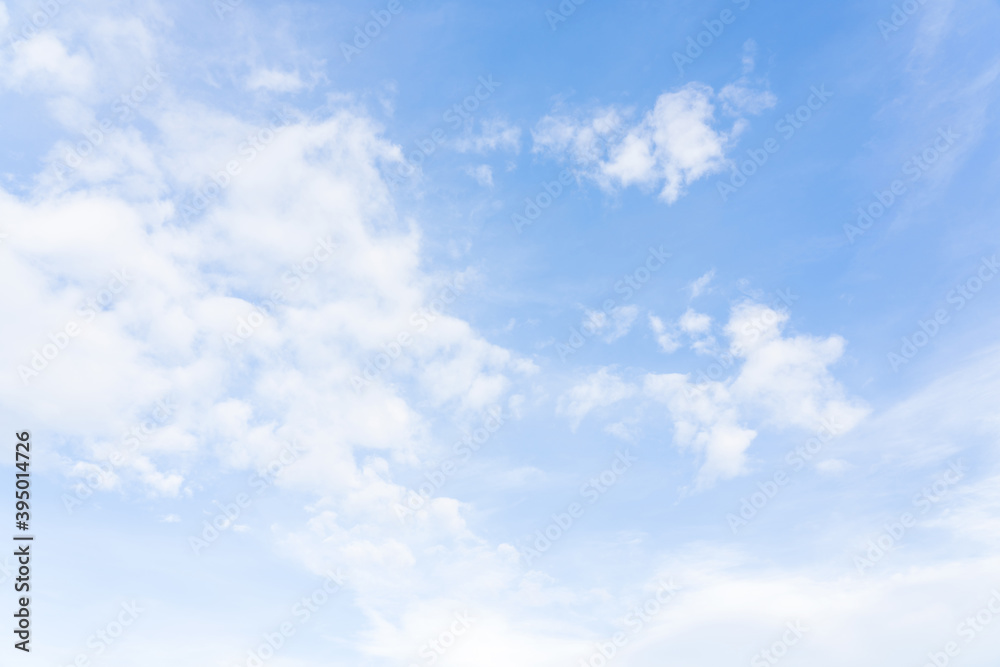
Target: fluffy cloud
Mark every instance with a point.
(252, 303)
(600, 389)
(673, 145)
(740, 98)
(255, 316)
(43, 63)
(706, 419)
(158, 302)
(664, 337)
(788, 378)
(611, 325)
(583, 139)
(780, 382)
(695, 323)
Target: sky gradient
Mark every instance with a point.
(495, 333)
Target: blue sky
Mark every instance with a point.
(702, 290)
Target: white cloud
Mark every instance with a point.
(841, 616)
(483, 174)
(164, 332)
(611, 325)
(599, 390)
(496, 134)
(664, 339)
(189, 285)
(697, 327)
(43, 63)
(622, 431)
(740, 98)
(699, 286)
(833, 466)
(291, 380)
(695, 323)
(276, 80)
(789, 377)
(706, 419)
(782, 382)
(583, 139)
(675, 144)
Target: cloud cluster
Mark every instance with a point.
(252, 317)
(781, 382)
(313, 189)
(673, 145)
